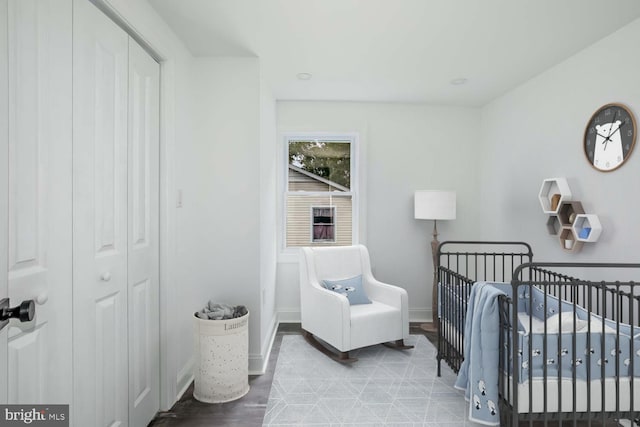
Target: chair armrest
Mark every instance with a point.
(394, 296)
(326, 314)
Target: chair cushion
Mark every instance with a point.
(375, 323)
(351, 288)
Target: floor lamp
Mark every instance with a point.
(434, 205)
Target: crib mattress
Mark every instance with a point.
(560, 399)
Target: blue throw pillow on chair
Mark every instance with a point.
(351, 288)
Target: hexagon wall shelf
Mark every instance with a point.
(553, 192)
(568, 211)
(587, 228)
(553, 225)
(568, 241)
(567, 220)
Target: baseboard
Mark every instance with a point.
(184, 378)
(292, 315)
(289, 315)
(420, 315)
(258, 362)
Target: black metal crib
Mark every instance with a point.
(569, 348)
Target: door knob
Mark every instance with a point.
(25, 311)
(42, 298)
(4, 303)
(105, 277)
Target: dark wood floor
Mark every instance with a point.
(247, 411)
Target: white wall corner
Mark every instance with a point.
(258, 362)
(289, 315)
(185, 378)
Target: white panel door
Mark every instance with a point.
(144, 317)
(39, 199)
(100, 57)
(4, 172)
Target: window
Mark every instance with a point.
(319, 195)
(323, 223)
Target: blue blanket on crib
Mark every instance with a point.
(577, 342)
(478, 375)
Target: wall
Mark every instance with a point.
(218, 154)
(225, 253)
(535, 132)
(403, 148)
(268, 224)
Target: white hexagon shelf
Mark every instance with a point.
(553, 192)
(587, 228)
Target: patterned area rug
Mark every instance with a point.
(385, 387)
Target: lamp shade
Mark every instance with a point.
(435, 204)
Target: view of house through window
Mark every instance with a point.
(319, 192)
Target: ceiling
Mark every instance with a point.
(396, 50)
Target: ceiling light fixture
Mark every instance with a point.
(304, 76)
(459, 81)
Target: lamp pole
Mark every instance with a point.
(434, 205)
(433, 327)
(434, 289)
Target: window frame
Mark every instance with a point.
(290, 254)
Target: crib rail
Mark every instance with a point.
(594, 375)
(460, 265)
(484, 260)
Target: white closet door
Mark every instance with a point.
(39, 199)
(144, 317)
(4, 172)
(100, 73)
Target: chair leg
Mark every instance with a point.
(342, 357)
(398, 345)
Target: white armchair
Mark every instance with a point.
(328, 315)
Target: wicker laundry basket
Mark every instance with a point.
(221, 359)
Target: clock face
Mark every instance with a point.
(609, 137)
